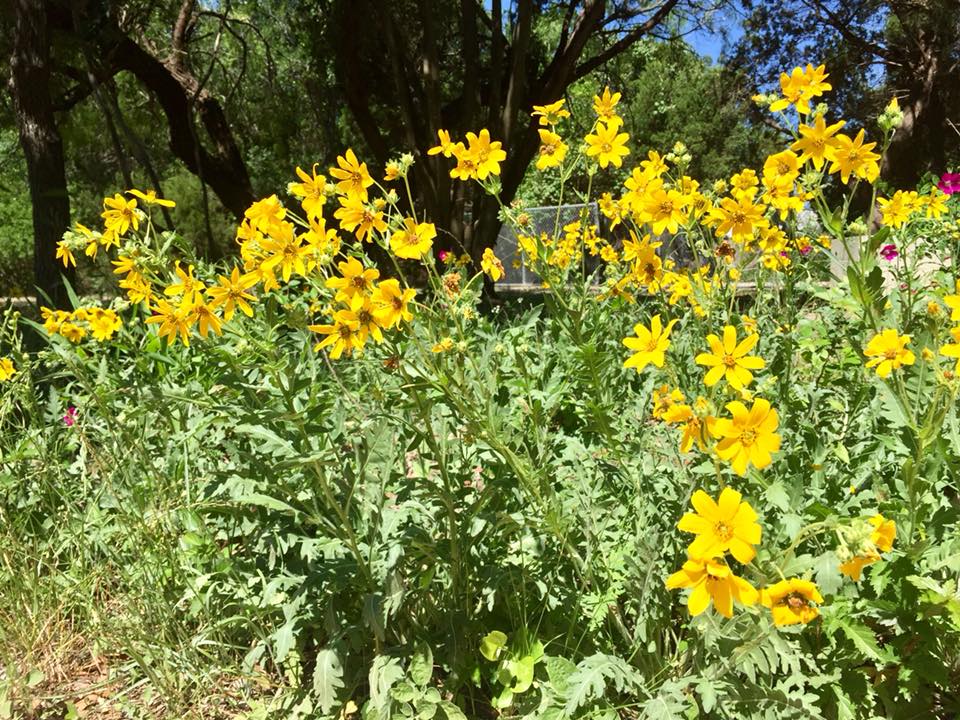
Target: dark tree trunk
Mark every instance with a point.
(42, 146)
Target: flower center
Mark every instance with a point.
(723, 531)
(890, 354)
(729, 361)
(748, 437)
(666, 208)
(739, 218)
(606, 147)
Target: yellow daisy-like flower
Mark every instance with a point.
(7, 370)
(854, 157)
(712, 581)
(607, 145)
(664, 398)
(729, 359)
(749, 437)
(119, 214)
(352, 174)
(355, 284)
(953, 302)
(491, 265)
(888, 351)
(414, 240)
(604, 105)
(817, 141)
(391, 303)
(65, 254)
(792, 601)
(311, 191)
(952, 350)
(650, 344)
(343, 336)
(728, 524)
(445, 146)
(552, 149)
(150, 197)
(551, 114)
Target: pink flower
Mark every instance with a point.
(443, 256)
(949, 183)
(889, 252)
(71, 417)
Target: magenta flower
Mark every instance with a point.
(444, 255)
(949, 183)
(889, 252)
(71, 417)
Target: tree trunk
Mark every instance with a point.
(42, 147)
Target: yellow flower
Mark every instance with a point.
(355, 284)
(443, 346)
(487, 155)
(607, 145)
(414, 240)
(884, 533)
(952, 350)
(799, 87)
(649, 345)
(284, 250)
(392, 172)
(343, 335)
(728, 524)
(103, 323)
(604, 105)
(311, 190)
(693, 425)
(357, 216)
(65, 254)
(265, 213)
(551, 114)
(854, 157)
(817, 141)
(353, 176)
(664, 210)
(445, 146)
(654, 166)
(392, 303)
(953, 302)
(784, 164)
(791, 601)
(150, 198)
(935, 203)
(664, 398)
(739, 216)
(119, 214)
(853, 568)
(232, 293)
(887, 351)
(552, 150)
(72, 332)
(7, 370)
(730, 359)
(712, 580)
(749, 437)
(896, 210)
(175, 320)
(491, 265)
(185, 284)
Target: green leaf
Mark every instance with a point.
(327, 679)
(421, 665)
(863, 638)
(265, 501)
(492, 645)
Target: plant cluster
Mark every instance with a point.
(394, 504)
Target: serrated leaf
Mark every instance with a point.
(327, 679)
(863, 638)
